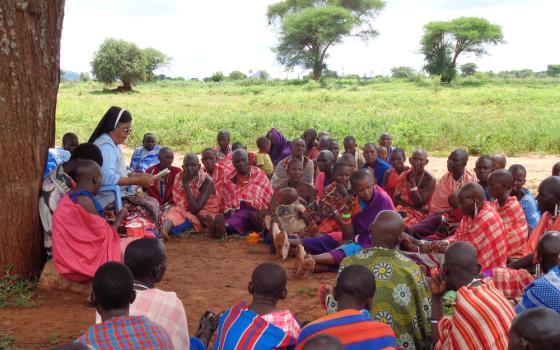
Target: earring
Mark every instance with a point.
(475, 209)
(556, 210)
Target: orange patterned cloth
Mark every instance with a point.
(332, 197)
(403, 189)
(546, 223)
(515, 223)
(447, 186)
(481, 320)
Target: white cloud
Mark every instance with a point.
(207, 36)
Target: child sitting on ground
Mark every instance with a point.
(82, 239)
(241, 326)
(263, 158)
(146, 155)
(162, 187)
(289, 218)
(57, 156)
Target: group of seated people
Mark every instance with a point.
(422, 263)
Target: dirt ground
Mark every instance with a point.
(206, 274)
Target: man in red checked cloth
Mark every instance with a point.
(247, 192)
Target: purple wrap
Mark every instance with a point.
(280, 146)
(379, 202)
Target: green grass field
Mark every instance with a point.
(512, 116)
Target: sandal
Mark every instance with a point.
(281, 242)
(322, 293)
(207, 325)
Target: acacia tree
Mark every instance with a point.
(29, 77)
(118, 60)
(308, 28)
(468, 69)
(153, 60)
(443, 42)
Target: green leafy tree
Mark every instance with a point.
(84, 76)
(119, 60)
(262, 74)
(402, 72)
(217, 77)
(553, 70)
(443, 42)
(237, 75)
(154, 60)
(468, 69)
(308, 28)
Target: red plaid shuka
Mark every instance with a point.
(515, 223)
(168, 181)
(257, 192)
(486, 232)
(511, 282)
(313, 153)
(218, 175)
(224, 159)
(413, 215)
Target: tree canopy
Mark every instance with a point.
(553, 70)
(468, 69)
(119, 60)
(443, 42)
(308, 28)
(154, 60)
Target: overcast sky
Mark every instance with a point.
(224, 35)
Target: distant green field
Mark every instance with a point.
(515, 116)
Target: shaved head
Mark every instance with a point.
(472, 190)
(361, 175)
(326, 155)
(191, 157)
(501, 176)
(461, 154)
(535, 329)
(85, 170)
(499, 161)
(420, 153)
(548, 250)
(556, 169)
(323, 342)
(549, 194)
(387, 228)
(348, 159)
(462, 254)
(461, 265)
(471, 199)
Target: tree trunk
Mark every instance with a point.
(317, 70)
(125, 87)
(29, 75)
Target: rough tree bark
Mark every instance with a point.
(29, 74)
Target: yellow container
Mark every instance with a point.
(253, 238)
